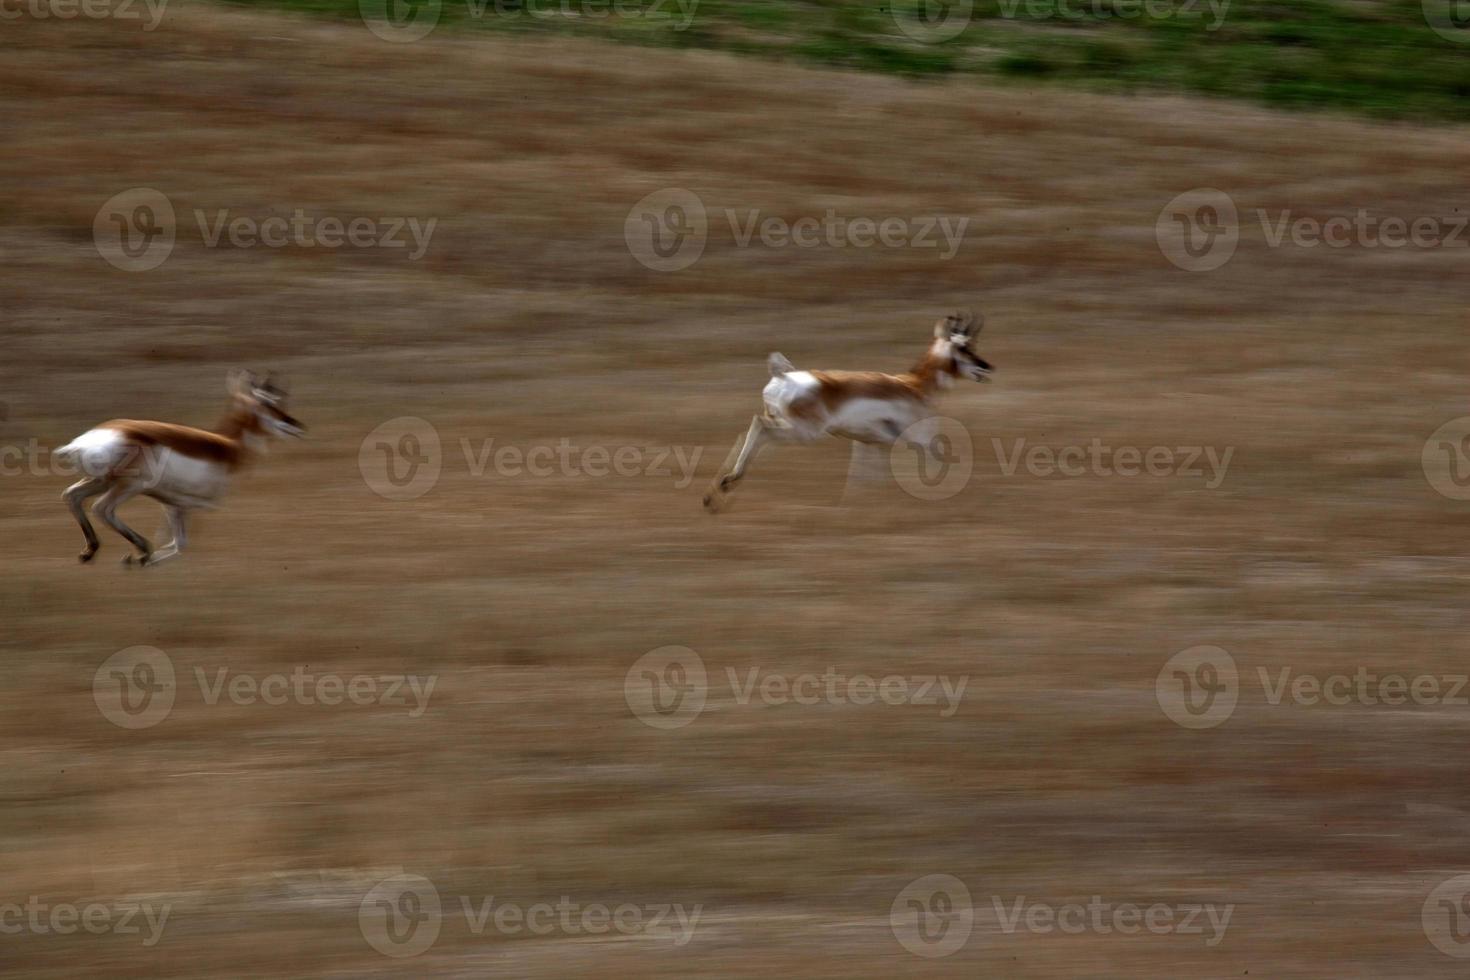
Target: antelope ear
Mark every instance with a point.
(239, 382)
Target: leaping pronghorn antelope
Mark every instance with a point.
(183, 468)
(870, 408)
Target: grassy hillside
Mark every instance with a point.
(1401, 58)
(530, 598)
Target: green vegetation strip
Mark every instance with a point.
(1394, 59)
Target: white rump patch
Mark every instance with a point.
(95, 451)
(784, 389)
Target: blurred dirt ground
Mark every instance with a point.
(794, 827)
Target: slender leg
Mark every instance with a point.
(762, 429)
(74, 495)
(865, 467)
(177, 531)
(755, 438)
(714, 497)
(106, 509)
(735, 452)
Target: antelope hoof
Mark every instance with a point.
(86, 556)
(141, 560)
(713, 502)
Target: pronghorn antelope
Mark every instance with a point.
(183, 468)
(870, 408)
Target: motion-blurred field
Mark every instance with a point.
(528, 321)
(1390, 58)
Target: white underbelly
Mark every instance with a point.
(872, 419)
(184, 480)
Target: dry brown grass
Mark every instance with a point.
(795, 827)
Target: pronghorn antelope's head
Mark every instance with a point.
(264, 402)
(954, 336)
